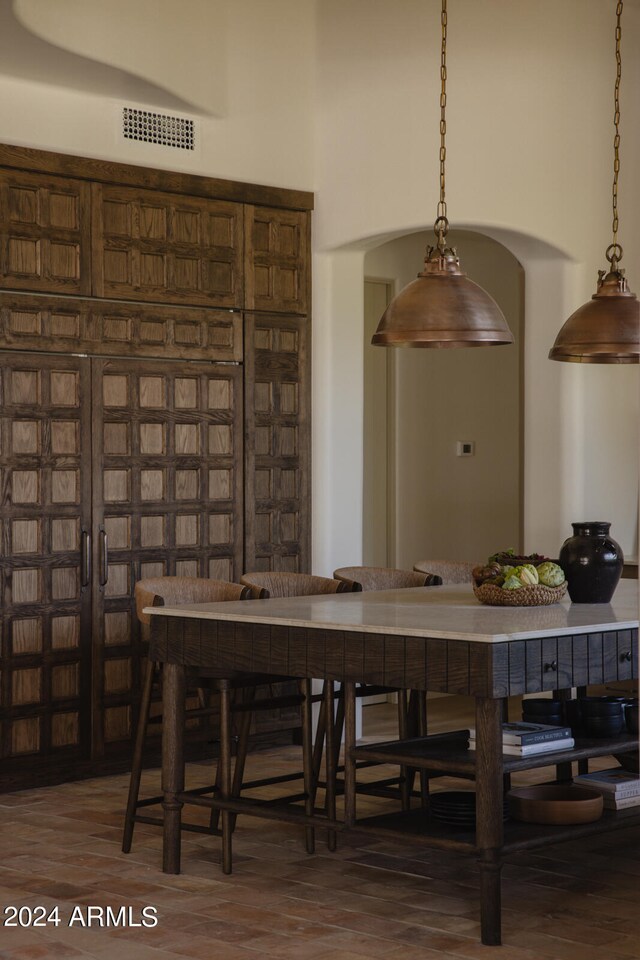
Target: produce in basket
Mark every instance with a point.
(512, 572)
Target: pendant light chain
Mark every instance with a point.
(614, 252)
(442, 308)
(441, 225)
(606, 329)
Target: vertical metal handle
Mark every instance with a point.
(85, 558)
(104, 558)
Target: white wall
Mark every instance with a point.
(266, 132)
(343, 98)
(181, 47)
(529, 163)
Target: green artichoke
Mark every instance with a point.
(526, 573)
(512, 583)
(550, 574)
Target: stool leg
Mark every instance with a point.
(214, 817)
(136, 766)
(406, 775)
(173, 697)
(319, 744)
(225, 776)
(330, 761)
(307, 763)
(422, 732)
(349, 762)
(338, 726)
(242, 748)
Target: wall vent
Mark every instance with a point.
(160, 128)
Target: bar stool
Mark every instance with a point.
(387, 578)
(283, 584)
(178, 590)
(449, 571)
(412, 704)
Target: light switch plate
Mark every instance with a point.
(465, 448)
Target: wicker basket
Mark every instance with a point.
(536, 595)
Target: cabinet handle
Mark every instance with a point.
(104, 558)
(553, 666)
(626, 656)
(85, 558)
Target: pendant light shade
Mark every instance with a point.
(607, 328)
(442, 308)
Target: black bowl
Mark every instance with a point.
(603, 726)
(550, 719)
(601, 706)
(541, 706)
(631, 717)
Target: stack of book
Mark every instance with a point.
(619, 788)
(528, 739)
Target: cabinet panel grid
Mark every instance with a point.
(45, 689)
(167, 497)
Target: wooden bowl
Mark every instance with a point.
(555, 803)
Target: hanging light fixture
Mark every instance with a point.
(607, 328)
(442, 308)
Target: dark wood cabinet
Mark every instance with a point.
(45, 240)
(154, 419)
(277, 416)
(45, 659)
(277, 260)
(155, 246)
(110, 328)
(167, 500)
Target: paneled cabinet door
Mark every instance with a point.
(167, 496)
(45, 233)
(277, 275)
(166, 247)
(277, 443)
(45, 467)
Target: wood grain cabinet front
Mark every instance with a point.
(277, 260)
(155, 246)
(45, 517)
(113, 328)
(45, 233)
(111, 471)
(277, 439)
(559, 663)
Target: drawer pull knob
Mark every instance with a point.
(626, 657)
(553, 666)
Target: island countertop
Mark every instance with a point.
(447, 612)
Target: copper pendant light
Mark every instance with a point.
(442, 308)
(607, 328)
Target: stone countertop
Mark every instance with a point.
(449, 612)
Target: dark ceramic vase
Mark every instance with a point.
(592, 563)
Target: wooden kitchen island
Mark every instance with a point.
(433, 638)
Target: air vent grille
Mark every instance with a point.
(161, 128)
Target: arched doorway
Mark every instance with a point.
(443, 429)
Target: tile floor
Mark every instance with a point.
(60, 847)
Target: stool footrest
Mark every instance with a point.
(191, 827)
(265, 809)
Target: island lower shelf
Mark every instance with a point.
(448, 753)
(417, 826)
